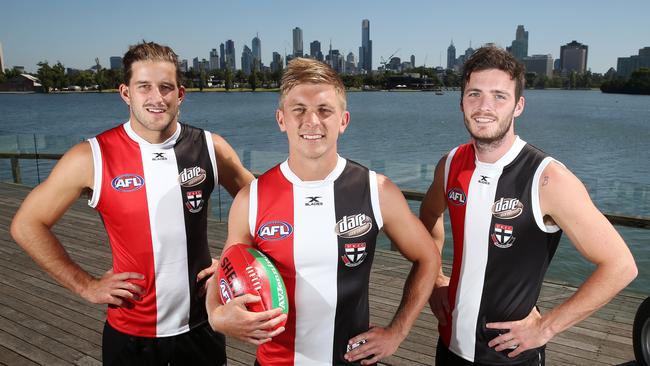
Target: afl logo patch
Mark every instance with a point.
(353, 226)
(127, 182)
(274, 230)
(507, 208)
(191, 177)
(456, 196)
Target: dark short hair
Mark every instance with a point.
(309, 71)
(149, 51)
(490, 57)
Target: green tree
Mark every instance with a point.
(45, 75)
(573, 80)
(252, 80)
(228, 79)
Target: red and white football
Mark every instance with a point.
(244, 269)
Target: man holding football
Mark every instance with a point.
(317, 216)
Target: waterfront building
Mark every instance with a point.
(627, 65)
(314, 51)
(539, 64)
(256, 44)
(412, 60)
(469, 51)
(297, 42)
(276, 64)
(21, 83)
(195, 64)
(222, 54)
(214, 59)
(115, 62)
(350, 64)
(204, 65)
(183, 65)
(336, 60)
(519, 47)
(394, 64)
(230, 55)
(573, 57)
(451, 55)
(247, 60)
(365, 51)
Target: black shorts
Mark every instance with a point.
(444, 357)
(199, 346)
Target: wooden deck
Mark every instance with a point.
(43, 323)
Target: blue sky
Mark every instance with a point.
(76, 31)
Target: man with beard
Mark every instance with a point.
(508, 204)
(150, 179)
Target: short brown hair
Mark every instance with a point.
(149, 51)
(490, 57)
(305, 70)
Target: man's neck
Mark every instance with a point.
(151, 136)
(492, 152)
(312, 169)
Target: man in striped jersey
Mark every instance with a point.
(317, 216)
(150, 179)
(508, 204)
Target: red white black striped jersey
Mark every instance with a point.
(502, 247)
(153, 201)
(321, 235)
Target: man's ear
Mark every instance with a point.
(279, 117)
(124, 93)
(519, 107)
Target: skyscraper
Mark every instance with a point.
(573, 57)
(297, 42)
(451, 55)
(412, 60)
(230, 55)
(365, 51)
(222, 52)
(539, 64)
(257, 53)
(115, 61)
(276, 64)
(214, 59)
(314, 51)
(519, 47)
(247, 60)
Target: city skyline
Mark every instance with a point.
(68, 33)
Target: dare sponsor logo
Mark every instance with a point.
(355, 253)
(507, 208)
(456, 196)
(127, 182)
(274, 230)
(353, 226)
(191, 177)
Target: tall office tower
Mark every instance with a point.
(276, 64)
(230, 55)
(183, 65)
(412, 60)
(314, 51)
(257, 53)
(469, 51)
(573, 57)
(222, 53)
(115, 61)
(297, 42)
(214, 59)
(336, 60)
(247, 60)
(627, 65)
(365, 51)
(519, 47)
(539, 64)
(350, 64)
(195, 64)
(2, 60)
(451, 55)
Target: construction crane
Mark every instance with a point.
(384, 62)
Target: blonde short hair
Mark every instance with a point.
(309, 71)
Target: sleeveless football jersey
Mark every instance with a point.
(502, 247)
(153, 199)
(321, 236)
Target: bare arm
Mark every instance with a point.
(234, 319)
(43, 207)
(232, 174)
(432, 211)
(416, 245)
(564, 199)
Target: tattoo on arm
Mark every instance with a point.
(545, 180)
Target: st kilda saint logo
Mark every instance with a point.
(355, 253)
(191, 177)
(194, 201)
(502, 236)
(353, 226)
